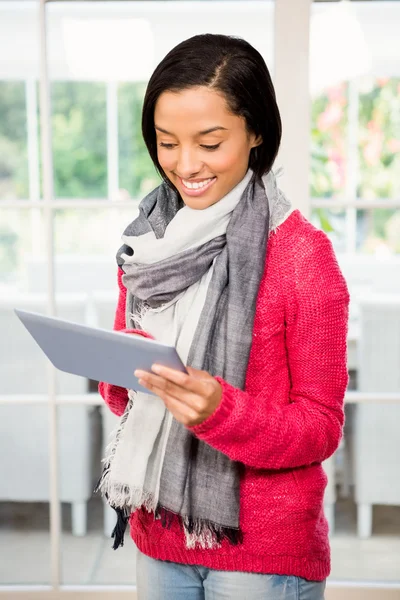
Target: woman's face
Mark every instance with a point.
(202, 147)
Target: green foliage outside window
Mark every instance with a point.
(378, 158)
(137, 175)
(379, 138)
(328, 143)
(13, 147)
(79, 139)
(79, 129)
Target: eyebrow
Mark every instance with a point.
(205, 132)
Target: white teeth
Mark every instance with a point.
(196, 185)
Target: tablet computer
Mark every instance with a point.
(99, 354)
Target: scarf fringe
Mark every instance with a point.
(124, 501)
(118, 533)
(115, 435)
(199, 532)
(141, 310)
(122, 496)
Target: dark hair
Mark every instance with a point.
(229, 65)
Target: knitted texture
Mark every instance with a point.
(286, 422)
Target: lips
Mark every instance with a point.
(197, 188)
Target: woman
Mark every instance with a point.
(219, 470)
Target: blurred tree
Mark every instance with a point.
(379, 157)
(328, 143)
(13, 146)
(379, 129)
(79, 139)
(136, 171)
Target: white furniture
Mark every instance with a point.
(376, 426)
(24, 432)
(366, 275)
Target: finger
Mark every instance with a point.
(184, 380)
(182, 412)
(160, 384)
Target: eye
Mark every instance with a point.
(167, 146)
(210, 147)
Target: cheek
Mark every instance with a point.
(231, 159)
(166, 159)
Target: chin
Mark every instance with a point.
(198, 203)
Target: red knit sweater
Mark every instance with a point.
(286, 422)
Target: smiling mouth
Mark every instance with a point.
(197, 188)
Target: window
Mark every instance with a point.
(355, 153)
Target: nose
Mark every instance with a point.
(188, 163)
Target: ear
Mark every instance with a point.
(256, 141)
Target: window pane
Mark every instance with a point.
(79, 139)
(18, 240)
(361, 133)
(379, 135)
(21, 239)
(13, 141)
(23, 284)
(328, 143)
(137, 174)
(378, 231)
(91, 232)
(333, 222)
(19, 62)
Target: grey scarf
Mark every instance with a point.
(199, 485)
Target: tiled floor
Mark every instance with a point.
(25, 547)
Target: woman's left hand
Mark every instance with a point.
(190, 398)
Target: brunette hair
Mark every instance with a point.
(232, 67)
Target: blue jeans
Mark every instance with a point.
(160, 580)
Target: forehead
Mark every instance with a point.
(195, 109)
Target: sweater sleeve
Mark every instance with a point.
(117, 397)
(308, 428)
